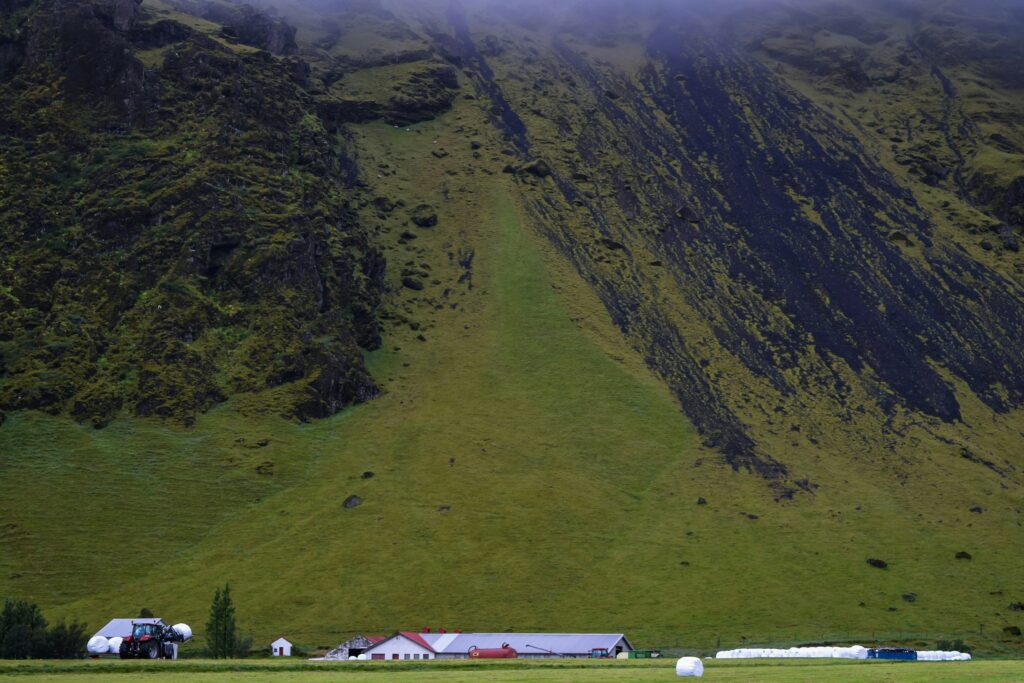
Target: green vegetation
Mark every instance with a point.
(384, 377)
(221, 639)
(526, 671)
(24, 634)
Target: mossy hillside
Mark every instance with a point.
(574, 490)
(639, 223)
(222, 255)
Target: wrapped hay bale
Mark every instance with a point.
(689, 666)
(97, 645)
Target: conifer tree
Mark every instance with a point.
(220, 629)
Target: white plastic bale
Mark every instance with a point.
(363, 656)
(689, 666)
(859, 652)
(183, 630)
(115, 645)
(352, 658)
(97, 645)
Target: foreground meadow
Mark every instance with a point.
(797, 671)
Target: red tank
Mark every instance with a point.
(503, 652)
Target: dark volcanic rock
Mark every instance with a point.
(351, 502)
(689, 214)
(93, 57)
(245, 24)
(123, 13)
(423, 95)
(424, 216)
(298, 275)
(879, 564)
(537, 168)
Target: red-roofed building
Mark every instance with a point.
(402, 645)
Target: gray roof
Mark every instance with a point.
(528, 643)
(123, 627)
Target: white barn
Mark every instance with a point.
(402, 645)
(281, 648)
(410, 645)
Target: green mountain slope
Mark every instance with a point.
(650, 322)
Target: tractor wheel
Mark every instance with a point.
(123, 651)
(152, 650)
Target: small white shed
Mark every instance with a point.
(281, 648)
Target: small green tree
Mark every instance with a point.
(220, 629)
(67, 641)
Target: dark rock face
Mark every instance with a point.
(245, 24)
(687, 173)
(124, 13)
(426, 94)
(83, 42)
(188, 287)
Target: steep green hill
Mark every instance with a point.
(663, 319)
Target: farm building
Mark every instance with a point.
(353, 647)
(410, 645)
(281, 648)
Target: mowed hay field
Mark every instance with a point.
(521, 670)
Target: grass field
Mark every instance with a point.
(796, 671)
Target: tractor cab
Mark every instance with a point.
(600, 653)
(139, 631)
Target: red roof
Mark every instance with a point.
(416, 638)
(376, 639)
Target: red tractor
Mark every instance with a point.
(150, 641)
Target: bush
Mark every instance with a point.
(958, 645)
(24, 634)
